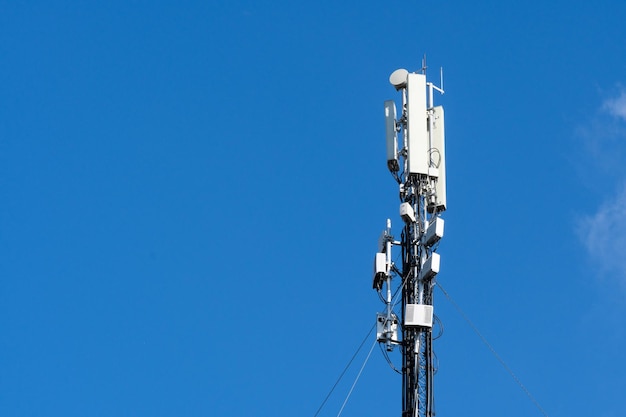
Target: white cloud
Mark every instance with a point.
(603, 142)
(616, 106)
(603, 233)
(604, 236)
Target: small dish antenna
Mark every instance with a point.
(398, 78)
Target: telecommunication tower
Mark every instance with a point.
(417, 162)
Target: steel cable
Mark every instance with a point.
(493, 351)
(357, 378)
(344, 371)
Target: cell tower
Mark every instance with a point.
(419, 168)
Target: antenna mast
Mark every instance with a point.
(418, 165)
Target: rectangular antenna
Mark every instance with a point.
(438, 157)
(392, 136)
(416, 124)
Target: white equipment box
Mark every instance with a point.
(418, 315)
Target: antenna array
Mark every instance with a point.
(417, 162)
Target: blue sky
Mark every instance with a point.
(192, 194)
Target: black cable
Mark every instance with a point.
(438, 321)
(344, 371)
(386, 356)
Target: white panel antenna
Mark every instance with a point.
(407, 213)
(392, 136)
(430, 267)
(380, 270)
(434, 232)
(417, 124)
(438, 157)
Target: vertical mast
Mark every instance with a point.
(418, 165)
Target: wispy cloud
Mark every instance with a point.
(603, 233)
(604, 236)
(616, 106)
(603, 146)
